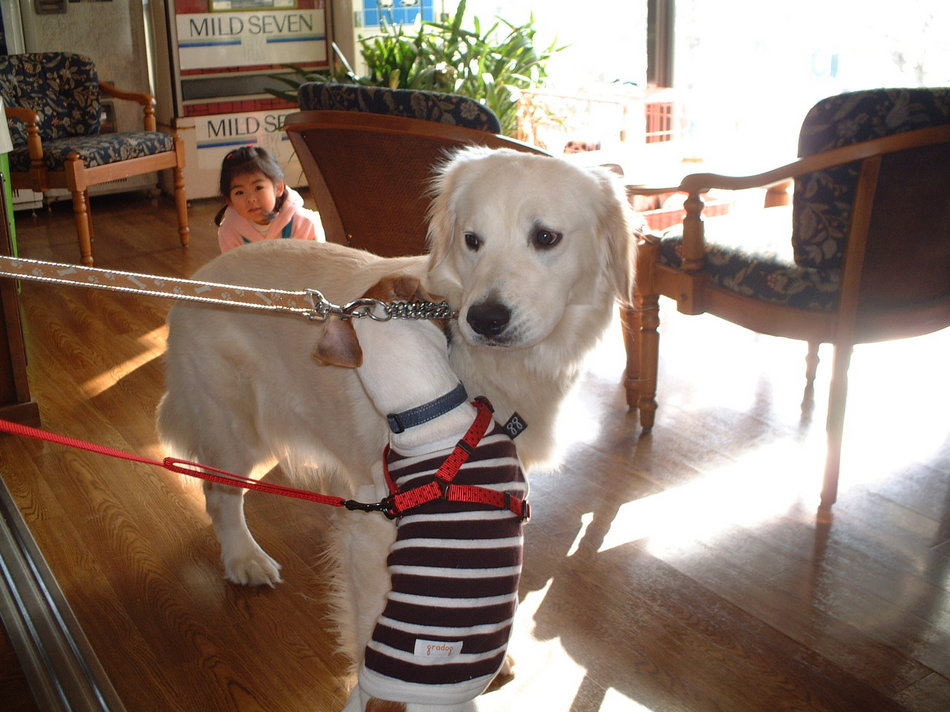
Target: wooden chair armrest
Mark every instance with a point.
(651, 189)
(647, 197)
(696, 184)
(34, 141)
(703, 182)
(146, 100)
(142, 98)
(27, 116)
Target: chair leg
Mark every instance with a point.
(630, 323)
(181, 201)
(811, 362)
(648, 307)
(641, 336)
(640, 380)
(181, 205)
(837, 398)
(89, 220)
(83, 225)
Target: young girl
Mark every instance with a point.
(260, 205)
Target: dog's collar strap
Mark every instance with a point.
(398, 422)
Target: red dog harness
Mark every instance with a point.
(442, 487)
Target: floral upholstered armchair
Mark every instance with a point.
(863, 254)
(52, 103)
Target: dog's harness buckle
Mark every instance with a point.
(513, 504)
(445, 488)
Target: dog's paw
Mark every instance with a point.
(253, 569)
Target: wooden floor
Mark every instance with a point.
(673, 572)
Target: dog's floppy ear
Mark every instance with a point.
(410, 289)
(441, 213)
(338, 345)
(621, 226)
(449, 176)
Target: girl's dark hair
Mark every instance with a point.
(248, 159)
(243, 160)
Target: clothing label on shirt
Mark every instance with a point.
(515, 426)
(438, 648)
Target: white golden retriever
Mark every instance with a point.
(533, 251)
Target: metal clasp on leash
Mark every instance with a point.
(323, 308)
(386, 505)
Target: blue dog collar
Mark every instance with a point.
(398, 422)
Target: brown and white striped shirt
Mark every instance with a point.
(454, 568)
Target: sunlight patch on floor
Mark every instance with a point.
(545, 673)
(105, 380)
(586, 520)
(893, 420)
(896, 410)
(765, 483)
(615, 701)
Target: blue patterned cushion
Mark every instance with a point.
(762, 267)
(428, 105)
(67, 98)
(96, 150)
(822, 202)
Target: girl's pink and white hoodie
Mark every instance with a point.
(293, 221)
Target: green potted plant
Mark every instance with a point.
(490, 65)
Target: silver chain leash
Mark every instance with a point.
(377, 310)
(309, 303)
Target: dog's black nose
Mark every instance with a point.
(489, 318)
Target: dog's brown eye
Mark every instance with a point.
(545, 239)
(472, 241)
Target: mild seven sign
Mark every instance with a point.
(236, 39)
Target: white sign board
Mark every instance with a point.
(238, 39)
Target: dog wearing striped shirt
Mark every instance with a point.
(458, 489)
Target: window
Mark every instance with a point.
(748, 71)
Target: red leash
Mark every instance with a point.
(393, 506)
(184, 467)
